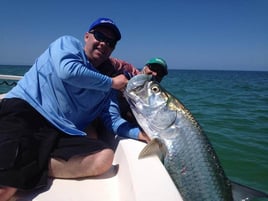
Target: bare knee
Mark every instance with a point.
(82, 166)
(6, 193)
(103, 162)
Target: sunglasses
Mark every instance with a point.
(102, 38)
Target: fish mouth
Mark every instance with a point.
(135, 84)
(132, 92)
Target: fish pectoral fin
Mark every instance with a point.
(242, 192)
(154, 147)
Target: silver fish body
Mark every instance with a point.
(187, 153)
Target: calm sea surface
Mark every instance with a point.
(232, 108)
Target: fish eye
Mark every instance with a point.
(155, 88)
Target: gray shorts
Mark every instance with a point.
(28, 141)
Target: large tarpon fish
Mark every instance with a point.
(186, 151)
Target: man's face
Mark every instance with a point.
(154, 70)
(99, 44)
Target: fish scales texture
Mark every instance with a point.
(188, 156)
(194, 161)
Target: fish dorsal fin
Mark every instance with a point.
(154, 147)
(245, 193)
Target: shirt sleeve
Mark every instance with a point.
(113, 120)
(73, 67)
(121, 65)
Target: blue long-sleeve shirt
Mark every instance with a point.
(68, 91)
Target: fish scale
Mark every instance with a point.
(188, 170)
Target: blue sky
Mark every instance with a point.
(200, 34)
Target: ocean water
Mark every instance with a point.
(231, 107)
(6, 85)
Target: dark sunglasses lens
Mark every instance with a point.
(98, 36)
(102, 38)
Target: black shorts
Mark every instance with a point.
(28, 141)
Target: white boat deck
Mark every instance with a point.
(130, 179)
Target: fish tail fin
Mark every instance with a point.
(242, 192)
(154, 147)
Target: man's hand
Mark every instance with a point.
(144, 137)
(119, 82)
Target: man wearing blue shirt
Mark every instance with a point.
(43, 118)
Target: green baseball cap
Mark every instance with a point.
(161, 62)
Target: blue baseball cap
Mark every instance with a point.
(108, 23)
